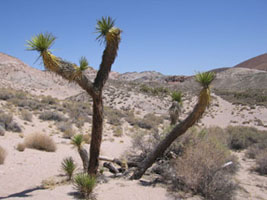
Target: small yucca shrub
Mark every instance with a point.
(68, 166)
(84, 183)
(77, 140)
(177, 96)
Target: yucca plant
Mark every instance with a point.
(78, 141)
(84, 183)
(205, 78)
(41, 42)
(83, 63)
(68, 166)
(103, 27)
(177, 96)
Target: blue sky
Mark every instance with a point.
(169, 36)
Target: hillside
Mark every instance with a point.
(258, 62)
(17, 75)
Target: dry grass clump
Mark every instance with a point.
(2, 155)
(200, 170)
(40, 141)
(21, 147)
(26, 115)
(52, 116)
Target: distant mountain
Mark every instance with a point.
(258, 62)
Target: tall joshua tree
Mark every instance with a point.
(110, 36)
(205, 80)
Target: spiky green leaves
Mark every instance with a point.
(205, 78)
(77, 140)
(177, 96)
(106, 30)
(41, 42)
(84, 183)
(104, 25)
(68, 166)
(83, 63)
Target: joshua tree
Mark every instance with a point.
(175, 108)
(110, 36)
(205, 80)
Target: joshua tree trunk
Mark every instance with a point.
(178, 130)
(97, 130)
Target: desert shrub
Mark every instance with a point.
(257, 148)
(40, 141)
(49, 100)
(20, 147)
(2, 155)
(68, 133)
(157, 91)
(113, 116)
(117, 132)
(66, 129)
(78, 113)
(26, 115)
(261, 163)
(14, 127)
(200, 170)
(68, 166)
(130, 118)
(6, 94)
(6, 121)
(246, 97)
(29, 104)
(241, 137)
(2, 130)
(52, 116)
(85, 184)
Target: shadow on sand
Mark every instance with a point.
(23, 194)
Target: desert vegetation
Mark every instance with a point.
(78, 129)
(40, 141)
